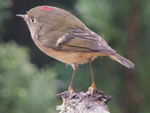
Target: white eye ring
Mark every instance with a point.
(33, 20)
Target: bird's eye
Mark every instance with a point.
(33, 20)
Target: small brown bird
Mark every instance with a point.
(61, 35)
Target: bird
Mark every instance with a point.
(64, 37)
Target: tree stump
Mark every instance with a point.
(84, 102)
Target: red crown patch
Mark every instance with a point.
(46, 8)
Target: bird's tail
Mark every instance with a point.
(127, 63)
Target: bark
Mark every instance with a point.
(84, 102)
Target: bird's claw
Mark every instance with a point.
(71, 91)
(91, 90)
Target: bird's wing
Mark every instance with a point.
(83, 41)
(75, 41)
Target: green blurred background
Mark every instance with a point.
(30, 80)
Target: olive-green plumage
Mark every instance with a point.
(64, 37)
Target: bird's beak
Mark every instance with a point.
(22, 16)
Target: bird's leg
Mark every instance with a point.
(93, 86)
(70, 89)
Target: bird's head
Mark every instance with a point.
(49, 17)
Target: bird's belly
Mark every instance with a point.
(71, 57)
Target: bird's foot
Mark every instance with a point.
(70, 90)
(92, 88)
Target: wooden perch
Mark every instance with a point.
(83, 102)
